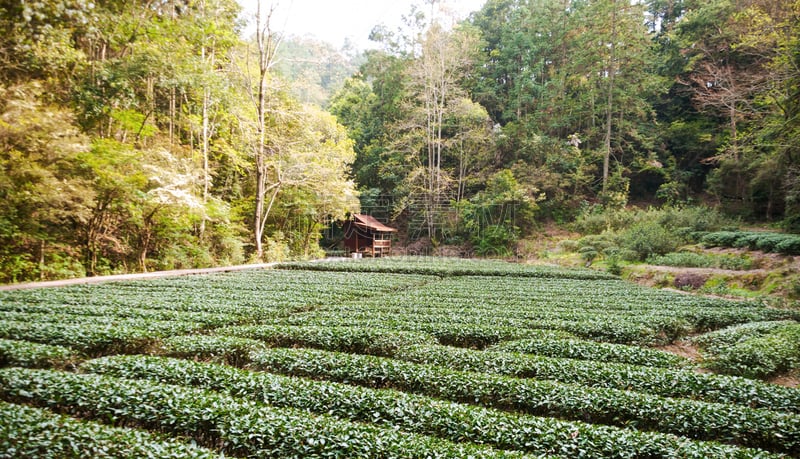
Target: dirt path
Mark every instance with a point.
(139, 276)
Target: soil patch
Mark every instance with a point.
(683, 349)
(787, 380)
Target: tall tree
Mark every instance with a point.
(42, 189)
(267, 41)
(739, 68)
(556, 68)
(436, 76)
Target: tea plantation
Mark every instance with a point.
(391, 358)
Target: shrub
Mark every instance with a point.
(35, 355)
(276, 248)
(227, 246)
(701, 260)
(613, 256)
(606, 374)
(599, 242)
(494, 241)
(34, 432)
(790, 245)
(786, 244)
(568, 245)
(62, 266)
(682, 259)
(591, 350)
(447, 267)
(680, 220)
(761, 356)
(771, 430)
(364, 340)
(647, 239)
(591, 223)
(746, 241)
(692, 218)
(719, 339)
(720, 239)
(588, 253)
(424, 415)
(15, 268)
(239, 428)
(769, 241)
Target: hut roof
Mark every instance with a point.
(369, 222)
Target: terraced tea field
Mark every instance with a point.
(401, 358)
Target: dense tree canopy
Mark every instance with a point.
(127, 135)
(139, 135)
(598, 101)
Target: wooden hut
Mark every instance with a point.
(364, 234)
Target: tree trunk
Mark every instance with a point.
(41, 260)
(267, 46)
(143, 253)
(205, 147)
(610, 100)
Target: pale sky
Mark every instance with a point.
(335, 20)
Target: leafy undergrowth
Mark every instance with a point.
(774, 281)
(392, 358)
(756, 350)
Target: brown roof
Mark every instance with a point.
(367, 221)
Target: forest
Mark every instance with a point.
(141, 135)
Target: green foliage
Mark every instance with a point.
(638, 234)
(495, 217)
(447, 267)
(233, 426)
(719, 339)
(786, 244)
(590, 350)
(596, 321)
(44, 193)
(35, 432)
(529, 82)
(701, 260)
(613, 257)
(231, 350)
(476, 352)
(689, 418)
(407, 411)
(627, 314)
(346, 339)
(561, 171)
(721, 238)
(753, 45)
(568, 245)
(17, 267)
(101, 338)
(588, 253)
(663, 382)
(758, 350)
(34, 355)
(647, 239)
(680, 220)
(277, 249)
(368, 110)
(120, 156)
(494, 241)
